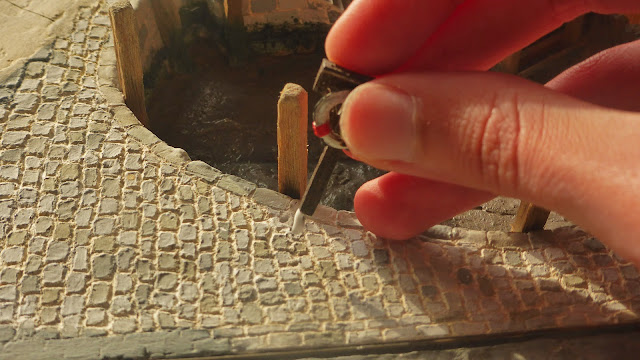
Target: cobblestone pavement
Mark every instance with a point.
(114, 243)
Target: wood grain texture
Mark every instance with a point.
(292, 140)
(529, 218)
(125, 38)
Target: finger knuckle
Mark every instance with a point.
(499, 143)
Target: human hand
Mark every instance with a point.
(454, 136)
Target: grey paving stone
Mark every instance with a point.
(8, 293)
(72, 305)
(57, 251)
(14, 138)
(9, 276)
(76, 282)
(203, 170)
(5, 95)
(6, 333)
(103, 266)
(272, 199)
(99, 294)
(166, 281)
(25, 102)
(236, 185)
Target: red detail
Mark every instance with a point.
(322, 130)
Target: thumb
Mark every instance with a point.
(504, 135)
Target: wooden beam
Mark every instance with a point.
(529, 218)
(234, 11)
(292, 140)
(125, 39)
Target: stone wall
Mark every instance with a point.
(257, 13)
(273, 27)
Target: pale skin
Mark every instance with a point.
(454, 136)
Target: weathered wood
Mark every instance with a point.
(511, 64)
(167, 19)
(573, 31)
(234, 11)
(529, 218)
(292, 140)
(125, 39)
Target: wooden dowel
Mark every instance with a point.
(292, 140)
(529, 218)
(125, 39)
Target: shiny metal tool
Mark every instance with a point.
(335, 83)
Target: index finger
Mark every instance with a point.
(480, 33)
(376, 36)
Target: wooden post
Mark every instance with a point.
(234, 11)
(292, 141)
(511, 64)
(167, 19)
(125, 39)
(529, 218)
(573, 31)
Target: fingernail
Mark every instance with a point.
(378, 122)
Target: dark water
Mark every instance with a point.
(226, 117)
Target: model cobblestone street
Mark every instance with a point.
(116, 244)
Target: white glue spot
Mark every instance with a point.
(298, 223)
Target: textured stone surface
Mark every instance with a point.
(110, 239)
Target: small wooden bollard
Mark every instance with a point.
(292, 140)
(529, 218)
(125, 39)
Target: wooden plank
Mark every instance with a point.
(125, 39)
(292, 140)
(529, 218)
(234, 10)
